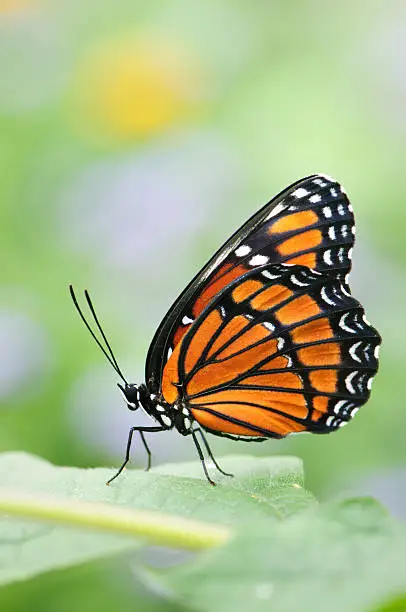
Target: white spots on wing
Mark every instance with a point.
(314, 199)
(345, 290)
(186, 320)
(290, 362)
(243, 250)
(376, 351)
(185, 411)
(342, 190)
(341, 253)
(353, 351)
(281, 343)
(160, 408)
(166, 420)
(347, 279)
(338, 291)
(187, 423)
(319, 181)
(327, 257)
(275, 211)
(269, 275)
(344, 230)
(339, 405)
(258, 260)
(349, 254)
(354, 411)
(345, 409)
(169, 353)
(349, 379)
(300, 192)
(353, 230)
(350, 208)
(343, 423)
(330, 420)
(294, 279)
(359, 322)
(364, 318)
(269, 326)
(332, 232)
(326, 298)
(327, 212)
(152, 396)
(367, 350)
(341, 209)
(369, 383)
(223, 312)
(333, 192)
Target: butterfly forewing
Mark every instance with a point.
(281, 349)
(310, 223)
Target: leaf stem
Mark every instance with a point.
(155, 527)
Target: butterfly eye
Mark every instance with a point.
(131, 395)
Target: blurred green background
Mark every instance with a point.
(134, 138)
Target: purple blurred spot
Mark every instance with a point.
(23, 354)
(134, 210)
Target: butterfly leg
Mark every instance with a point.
(199, 450)
(141, 431)
(209, 452)
(149, 454)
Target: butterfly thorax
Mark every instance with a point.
(168, 415)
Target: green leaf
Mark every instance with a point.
(348, 557)
(394, 604)
(275, 483)
(269, 488)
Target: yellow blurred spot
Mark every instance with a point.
(12, 6)
(129, 89)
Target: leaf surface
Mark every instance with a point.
(270, 488)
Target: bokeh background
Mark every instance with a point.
(134, 138)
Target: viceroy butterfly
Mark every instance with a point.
(267, 339)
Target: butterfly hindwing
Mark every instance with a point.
(282, 349)
(311, 223)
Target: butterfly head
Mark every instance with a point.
(131, 395)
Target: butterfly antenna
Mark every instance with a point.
(109, 355)
(99, 327)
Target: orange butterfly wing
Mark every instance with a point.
(281, 349)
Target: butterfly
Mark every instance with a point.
(266, 340)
